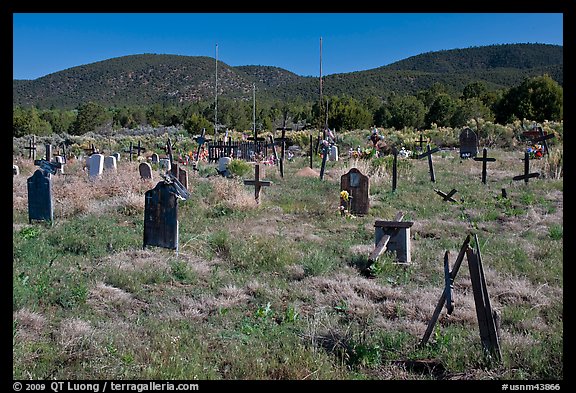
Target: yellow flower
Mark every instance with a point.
(344, 195)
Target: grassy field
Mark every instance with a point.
(279, 290)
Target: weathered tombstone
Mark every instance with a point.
(223, 163)
(358, 187)
(61, 161)
(117, 156)
(161, 217)
(110, 163)
(468, 143)
(95, 165)
(399, 238)
(154, 158)
(40, 205)
(333, 156)
(165, 164)
(145, 170)
(180, 174)
(15, 170)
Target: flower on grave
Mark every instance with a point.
(344, 195)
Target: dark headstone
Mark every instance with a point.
(468, 143)
(145, 170)
(358, 187)
(161, 217)
(40, 206)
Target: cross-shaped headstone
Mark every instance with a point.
(429, 155)
(257, 183)
(526, 174)
(32, 148)
(447, 197)
(484, 160)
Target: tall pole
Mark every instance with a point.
(216, 97)
(254, 117)
(320, 108)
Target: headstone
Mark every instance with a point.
(165, 164)
(110, 163)
(468, 143)
(62, 161)
(333, 153)
(15, 170)
(95, 165)
(154, 158)
(358, 187)
(117, 156)
(161, 217)
(145, 170)
(399, 232)
(40, 205)
(223, 163)
(180, 174)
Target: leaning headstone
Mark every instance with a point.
(145, 170)
(165, 164)
(161, 217)
(110, 163)
(15, 170)
(358, 187)
(155, 158)
(95, 165)
(40, 205)
(468, 143)
(399, 241)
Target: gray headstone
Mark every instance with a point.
(40, 205)
(95, 165)
(165, 164)
(399, 242)
(117, 155)
(15, 170)
(223, 163)
(110, 163)
(145, 170)
(358, 187)
(333, 156)
(155, 158)
(468, 143)
(161, 217)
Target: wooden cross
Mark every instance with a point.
(201, 140)
(526, 174)
(31, 148)
(257, 183)
(282, 140)
(429, 155)
(542, 138)
(484, 160)
(420, 141)
(447, 197)
(131, 151)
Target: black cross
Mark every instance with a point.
(421, 141)
(257, 183)
(447, 197)
(32, 148)
(429, 155)
(325, 150)
(484, 160)
(526, 174)
(542, 138)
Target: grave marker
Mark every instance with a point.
(110, 163)
(539, 137)
(358, 187)
(40, 203)
(161, 217)
(154, 158)
(165, 164)
(15, 170)
(95, 165)
(393, 236)
(117, 156)
(325, 149)
(430, 165)
(257, 183)
(468, 143)
(60, 160)
(526, 174)
(180, 174)
(145, 171)
(484, 160)
(447, 197)
(31, 148)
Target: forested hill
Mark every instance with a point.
(158, 78)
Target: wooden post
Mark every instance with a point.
(310, 151)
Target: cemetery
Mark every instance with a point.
(165, 257)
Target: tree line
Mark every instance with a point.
(536, 98)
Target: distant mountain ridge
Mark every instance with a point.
(147, 79)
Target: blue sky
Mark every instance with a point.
(44, 43)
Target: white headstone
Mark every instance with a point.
(165, 164)
(223, 163)
(333, 156)
(15, 170)
(95, 165)
(155, 157)
(110, 163)
(117, 155)
(145, 170)
(60, 160)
